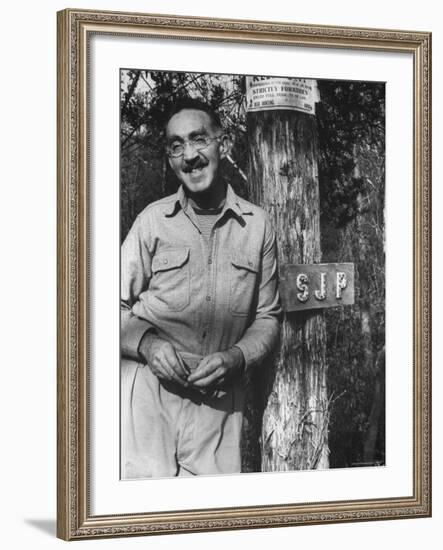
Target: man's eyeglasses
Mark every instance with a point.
(177, 148)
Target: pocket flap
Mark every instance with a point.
(245, 262)
(170, 258)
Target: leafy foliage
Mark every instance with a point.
(350, 115)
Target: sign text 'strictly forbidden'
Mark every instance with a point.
(314, 286)
(296, 94)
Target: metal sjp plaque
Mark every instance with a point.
(315, 286)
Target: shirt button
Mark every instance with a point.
(209, 261)
(165, 261)
(250, 264)
(208, 298)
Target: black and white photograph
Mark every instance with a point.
(252, 271)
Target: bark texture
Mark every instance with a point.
(283, 179)
(374, 361)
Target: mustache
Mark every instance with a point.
(189, 166)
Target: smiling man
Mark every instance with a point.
(199, 306)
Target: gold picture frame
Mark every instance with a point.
(75, 28)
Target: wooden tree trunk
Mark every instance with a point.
(283, 179)
(373, 361)
(370, 442)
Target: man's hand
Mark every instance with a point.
(217, 368)
(162, 359)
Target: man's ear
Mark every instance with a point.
(225, 146)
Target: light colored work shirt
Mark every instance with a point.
(202, 296)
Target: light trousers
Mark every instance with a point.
(167, 430)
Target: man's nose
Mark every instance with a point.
(189, 152)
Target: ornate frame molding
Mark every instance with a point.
(74, 29)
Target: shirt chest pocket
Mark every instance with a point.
(169, 288)
(243, 273)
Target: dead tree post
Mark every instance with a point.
(283, 179)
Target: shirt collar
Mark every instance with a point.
(232, 203)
